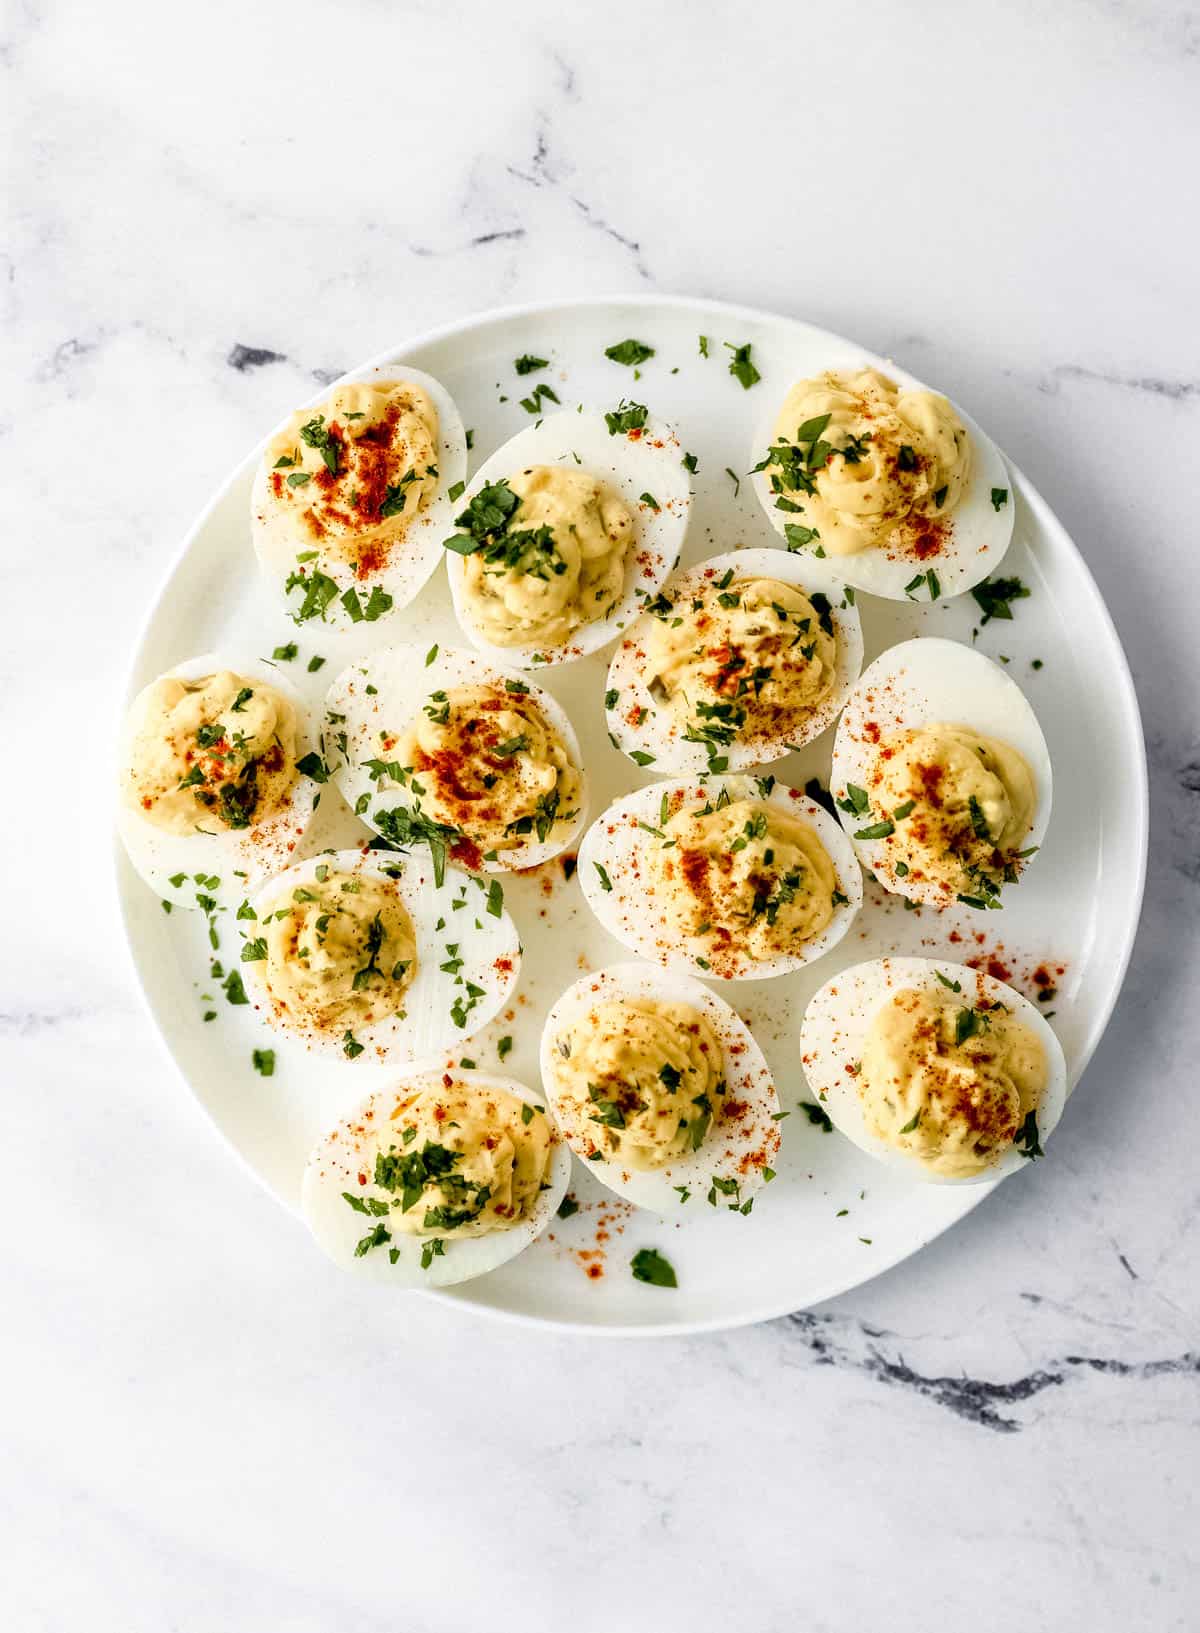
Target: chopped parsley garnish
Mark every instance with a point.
(690, 463)
(857, 801)
(376, 604)
(855, 447)
(626, 417)
(740, 366)
(605, 881)
(316, 435)
(351, 1047)
(234, 988)
(362, 977)
(999, 498)
(403, 828)
(487, 521)
(285, 654)
(370, 1205)
(567, 1207)
(315, 663)
(504, 1047)
(376, 1238)
(264, 1062)
(930, 578)
(996, 595)
(648, 1265)
(967, 1022)
(817, 1116)
(823, 609)
(312, 765)
(798, 537)
(530, 365)
(704, 345)
(629, 352)
(1027, 1141)
(319, 590)
(533, 403)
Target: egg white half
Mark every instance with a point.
(348, 1150)
(359, 722)
(487, 943)
(634, 463)
(618, 841)
(225, 865)
(978, 536)
(639, 724)
(740, 1147)
(412, 558)
(930, 681)
(835, 1028)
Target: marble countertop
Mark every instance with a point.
(203, 1428)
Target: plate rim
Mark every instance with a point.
(1126, 692)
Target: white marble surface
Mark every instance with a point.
(207, 210)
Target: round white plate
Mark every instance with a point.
(832, 1218)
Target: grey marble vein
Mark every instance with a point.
(877, 1353)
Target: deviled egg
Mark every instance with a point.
(366, 954)
(658, 1085)
(734, 663)
(440, 1178)
(217, 781)
(893, 483)
(937, 1069)
(736, 878)
(352, 497)
(565, 532)
(447, 747)
(941, 774)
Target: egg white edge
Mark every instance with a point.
(854, 755)
(835, 1089)
(658, 733)
(748, 1078)
(222, 852)
(612, 907)
(660, 534)
(321, 1199)
(392, 1040)
(874, 573)
(415, 557)
(453, 666)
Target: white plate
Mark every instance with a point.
(1078, 909)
